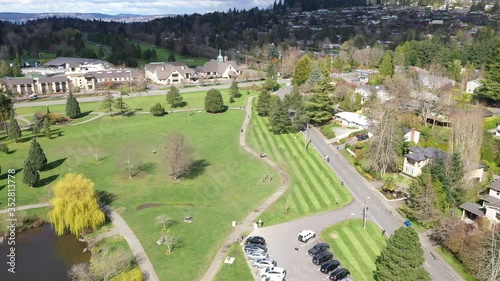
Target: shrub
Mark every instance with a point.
(4, 148)
(134, 274)
(157, 110)
(57, 118)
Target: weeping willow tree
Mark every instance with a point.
(74, 205)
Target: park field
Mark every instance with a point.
(225, 184)
(356, 248)
(314, 186)
(239, 270)
(191, 100)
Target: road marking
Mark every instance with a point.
(427, 264)
(308, 242)
(375, 206)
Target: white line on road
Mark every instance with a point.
(427, 264)
(375, 206)
(308, 242)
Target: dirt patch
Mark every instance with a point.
(147, 205)
(334, 235)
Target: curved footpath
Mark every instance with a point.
(247, 223)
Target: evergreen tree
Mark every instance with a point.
(16, 68)
(14, 130)
(72, 107)
(108, 102)
(36, 155)
(6, 106)
(315, 76)
(234, 90)
(402, 258)
(294, 100)
(173, 97)
(46, 127)
(386, 68)
(5, 69)
(263, 106)
(213, 101)
(121, 105)
(270, 84)
(231, 99)
(157, 110)
(302, 70)
(279, 121)
(171, 57)
(30, 173)
(490, 90)
(154, 55)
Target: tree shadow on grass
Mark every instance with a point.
(197, 168)
(147, 167)
(6, 174)
(105, 198)
(181, 104)
(83, 114)
(12, 151)
(26, 139)
(53, 164)
(46, 180)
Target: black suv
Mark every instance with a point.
(318, 248)
(339, 274)
(330, 266)
(322, 257)
(255, 240)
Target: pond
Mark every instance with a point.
(42, 255)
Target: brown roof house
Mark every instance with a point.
(169, 73)
(220, 68)
(489, 206)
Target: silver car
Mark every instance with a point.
(260, 263)
(257, 255)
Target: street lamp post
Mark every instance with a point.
(365, 210)
(305, 135)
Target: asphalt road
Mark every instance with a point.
(282, 238)
(100, 97)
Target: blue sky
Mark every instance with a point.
(143, 7)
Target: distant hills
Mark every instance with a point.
(23, 17)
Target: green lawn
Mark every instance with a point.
(356, 248)
(314, 186)
(327, 130)
(227, 184)
(239, 270)
(454, 263)
(162, 54)
(191, 100)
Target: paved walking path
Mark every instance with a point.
(27, 207)
(247, 223)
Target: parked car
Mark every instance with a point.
(260, 263)
(362, 137)
(33, 96)
(306, 235)
(255, 240)
(322, 257)
(339, 274)
(272, 278)
(318, 248)
(257, 255)
(273, 271)
(329, 266)
(254, 247)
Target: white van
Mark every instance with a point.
(306, 235)
(33, 96)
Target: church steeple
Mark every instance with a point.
(220, 58)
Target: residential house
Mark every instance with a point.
(489, 206)
(419, 157)
(497, 132)
(352, 119)
(366, 91)
(472, 85)
(169, 73)
(411, 135)
(220, 68)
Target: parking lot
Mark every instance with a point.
(281, 242)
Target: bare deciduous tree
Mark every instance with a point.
(467, 135)
(129, 161)
(385, 145)
(110, 263)
(81, 272)
(171, 242)
(178, 155)
(164, 220)
(489, 269)
(289, 60)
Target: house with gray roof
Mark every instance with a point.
(220, 68)
(168, 73)
(77, 64)
(488, 206)
(419, 157)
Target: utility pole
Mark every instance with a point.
(305, 135)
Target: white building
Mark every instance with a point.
(489, 207)
(352, 119)
(411, 135)
(472, 85)
(169, 73)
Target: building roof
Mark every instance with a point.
(492, 201)
(163, 70)
(495, 185)
(74, 62)
(474, 208)
(354, 118)
(422, 153)
(218, 67)
(406, 130)
(122, 73)
(11, 81)
(53, 79)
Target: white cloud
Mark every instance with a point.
(128, 6)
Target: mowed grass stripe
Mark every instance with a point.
(271, 145)
(342, 251)
(335, 187)
(361, 248)
(302, 173)
(370, 245)
(354, 252)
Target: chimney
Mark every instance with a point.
(183, 67)
(412, 135)
(162, 68)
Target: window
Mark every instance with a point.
(175, 74)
